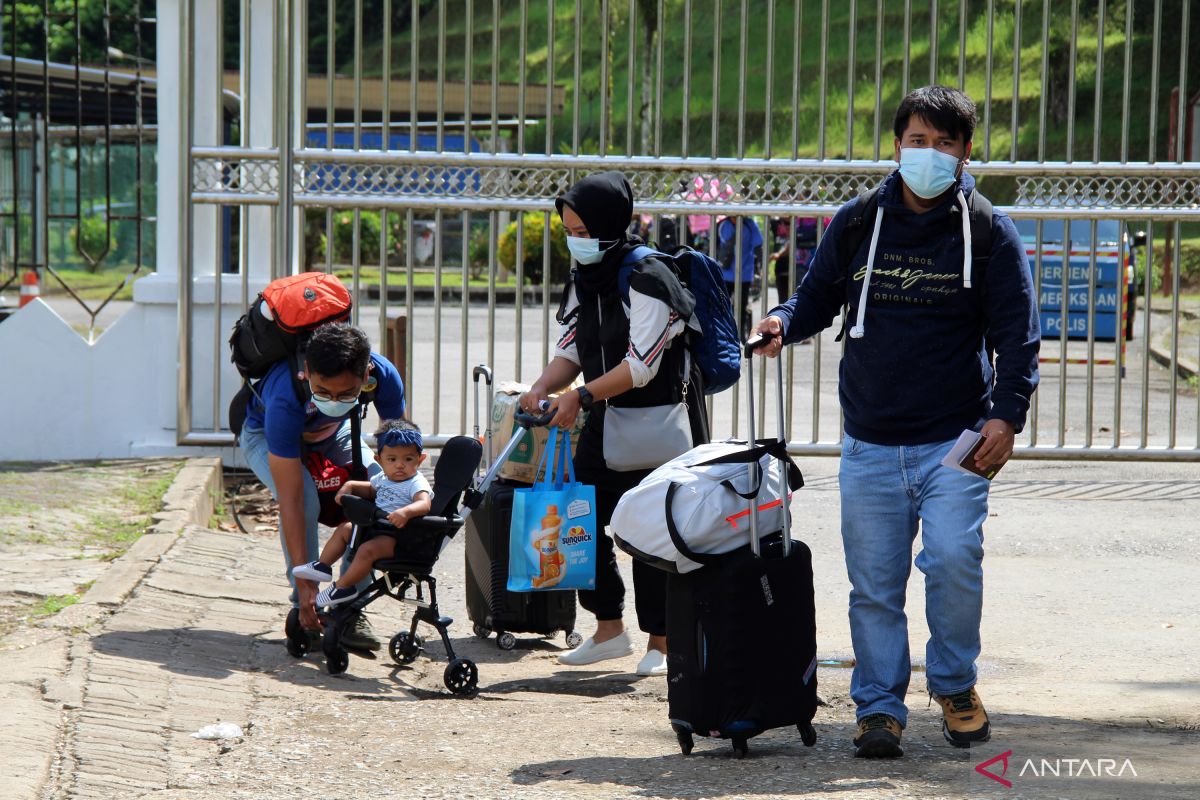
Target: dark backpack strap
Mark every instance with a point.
(676, 539)
(858, 226)
(981, 228)
(752, 455)
(357, 471)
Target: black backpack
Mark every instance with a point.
(295, 306)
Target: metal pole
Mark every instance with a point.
(850, 67)
(1071, 82)
(1014, 126)
(716, 89)
(770, 81)
(183, 408)
(604, 96)
(878, 85)
(824, 77)
(987, 91)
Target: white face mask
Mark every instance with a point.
(927, 171)
(587, 251)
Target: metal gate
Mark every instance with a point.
(77, 126)
(416, 148)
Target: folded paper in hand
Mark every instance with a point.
(962, 456)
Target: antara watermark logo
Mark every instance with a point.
(996, 768)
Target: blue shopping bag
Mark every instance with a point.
(552, 538)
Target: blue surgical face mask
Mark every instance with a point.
(927, 171)
(334, 408)
(587, 251)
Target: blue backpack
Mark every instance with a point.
(717, 351)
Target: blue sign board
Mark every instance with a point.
(1077, 325)
(1108, 300)
(1107, 271)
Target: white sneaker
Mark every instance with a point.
(313, 571)
(590, 652)
(653, 663)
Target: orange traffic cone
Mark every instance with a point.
(29, 288)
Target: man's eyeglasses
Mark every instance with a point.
(341, 398)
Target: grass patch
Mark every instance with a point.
(94, 287)
(54, 604)
(115, 532)
(9, 505)
(422, 279)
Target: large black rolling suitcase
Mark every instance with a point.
(491, 607)
(741, 634)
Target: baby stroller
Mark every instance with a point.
(418, 546)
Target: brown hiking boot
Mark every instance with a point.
(878, 737)
(964, 722)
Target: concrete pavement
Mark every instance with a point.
(1089, 656)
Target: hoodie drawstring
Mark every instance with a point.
(966, 225)
(859, 330)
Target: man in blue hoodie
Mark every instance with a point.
(925, 310)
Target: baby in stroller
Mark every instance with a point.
(400, 491)
(412, 550)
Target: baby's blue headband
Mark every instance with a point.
(400, 438)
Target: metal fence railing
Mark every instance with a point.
(777, 112)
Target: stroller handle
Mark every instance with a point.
(530, 421)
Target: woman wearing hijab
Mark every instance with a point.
(631, 352)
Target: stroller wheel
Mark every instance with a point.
(336, 657)
(481, 631)
(461, 676)
(404, 647)
(808, 734)
(574, 639)
(337, 662)
(297, 639)
(506, 641)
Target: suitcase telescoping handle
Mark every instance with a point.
(485, 372)
(754, 343)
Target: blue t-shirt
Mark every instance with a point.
(283, 419)
(751, 238)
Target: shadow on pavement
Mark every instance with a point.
(217, 655)
(1046, 757)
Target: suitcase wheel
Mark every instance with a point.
(574, 639)
(740, 747)
(506, 641)
(481, 631)
(808, 734)
(686, 742)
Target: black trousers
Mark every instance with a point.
(607, 600)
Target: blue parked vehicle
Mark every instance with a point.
(1115, 285)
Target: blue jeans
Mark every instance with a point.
(886, 492)
(337, 449)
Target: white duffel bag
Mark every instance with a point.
(697, 506)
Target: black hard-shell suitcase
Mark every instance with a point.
(491, 607)
(742, 636)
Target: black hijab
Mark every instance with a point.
(605, 204)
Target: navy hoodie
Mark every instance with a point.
(921, 373)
